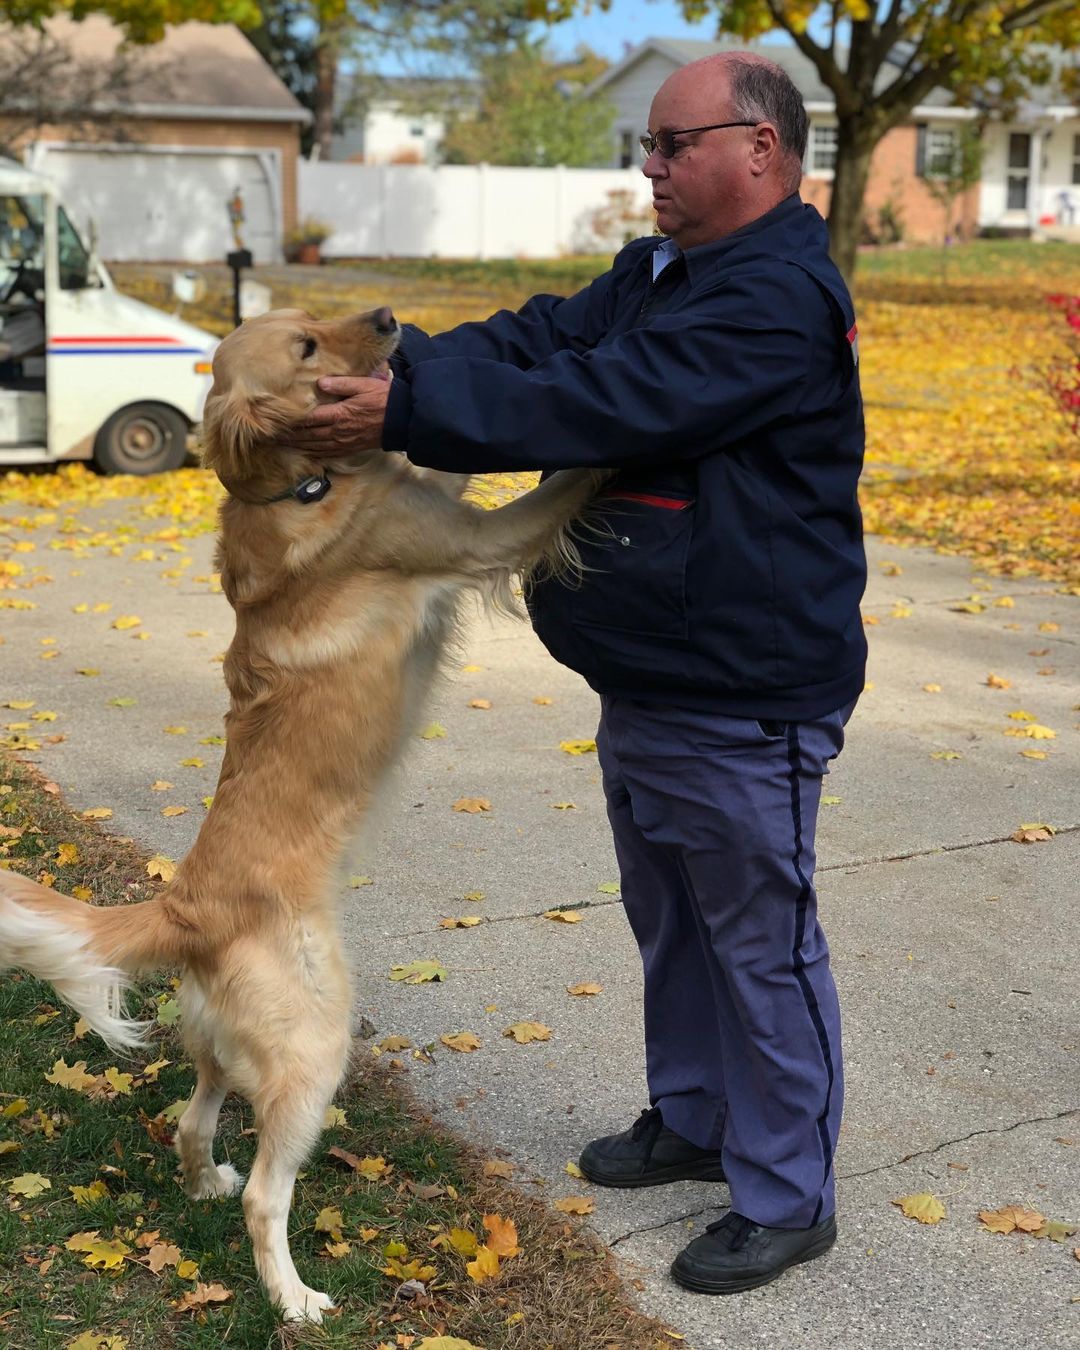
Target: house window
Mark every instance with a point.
(941, 152)
(626, 149)
(1076, 160)
(821, 151)
(417, 129)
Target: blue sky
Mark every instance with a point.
(611, 33)
(625, 24)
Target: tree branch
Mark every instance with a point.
(824, 61)
(1032, 13)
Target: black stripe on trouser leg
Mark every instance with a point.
(797, 962)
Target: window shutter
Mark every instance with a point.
(920, 150)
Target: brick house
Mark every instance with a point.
(204, 124)
(1031, 165)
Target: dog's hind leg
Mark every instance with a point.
(289, 1114)
(195, 1136)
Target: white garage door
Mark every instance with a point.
(169, 205)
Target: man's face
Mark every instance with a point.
(701, 193)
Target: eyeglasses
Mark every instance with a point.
(664, 141)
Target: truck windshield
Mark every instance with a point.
(22, 232)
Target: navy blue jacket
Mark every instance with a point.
(731, 567)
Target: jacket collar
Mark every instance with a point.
(703, 258)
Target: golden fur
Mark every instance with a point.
(342, 609)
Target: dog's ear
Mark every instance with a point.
(235, 424)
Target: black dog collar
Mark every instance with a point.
(311, 489)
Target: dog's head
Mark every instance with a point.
(264, 380)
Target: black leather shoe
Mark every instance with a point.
(735, 1253)
(648, 1154)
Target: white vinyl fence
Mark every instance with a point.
(472, 211)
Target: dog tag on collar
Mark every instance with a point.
(312, 489)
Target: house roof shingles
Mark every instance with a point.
(195, 66)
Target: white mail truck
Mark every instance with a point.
(85, 372)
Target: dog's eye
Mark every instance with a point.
(310, 347)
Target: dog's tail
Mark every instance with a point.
(87, 952)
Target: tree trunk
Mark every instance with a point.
(853, 151)
(327, 53)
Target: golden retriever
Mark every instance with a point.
(343, 603)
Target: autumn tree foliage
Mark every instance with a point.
(141, 20)
(528, 112)
(880, 61)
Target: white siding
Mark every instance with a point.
(465, 211)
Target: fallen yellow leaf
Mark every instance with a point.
(484, 1267)
(101, 1253)
(86, 1195)
(584, 989)
(502, 1235)
(578, 747)
(1032, 834)
(463, 1041)
(924, 1207)
(73, 1076)
(1012, 1218)
(563, 915)
(201, 1295)
(472, 805)
(419, 972)
(174, 811)
(575, 1204)
(162, 867)
(526, 1032)
(29, 1185)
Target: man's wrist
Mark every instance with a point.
(398, 415)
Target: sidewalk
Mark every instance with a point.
(955, 949)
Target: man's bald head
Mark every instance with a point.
(755, 89)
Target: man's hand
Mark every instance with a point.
(355, 423)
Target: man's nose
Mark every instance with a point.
(655, 165)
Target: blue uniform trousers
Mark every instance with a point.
(714, 818)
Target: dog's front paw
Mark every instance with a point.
(305, 1305)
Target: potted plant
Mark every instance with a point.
(302, 244)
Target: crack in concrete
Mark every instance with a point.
(851, 865)
(667, 1223)
(870, 1171)
(855, 863)
(962, 1139)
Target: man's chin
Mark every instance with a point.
(666, 221)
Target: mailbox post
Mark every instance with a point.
(238, 259)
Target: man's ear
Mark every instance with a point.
(236, 423)
(765, 148)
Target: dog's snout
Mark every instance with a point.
(384, 320)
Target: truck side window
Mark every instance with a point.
(73, 258)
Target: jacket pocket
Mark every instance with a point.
(635, 565)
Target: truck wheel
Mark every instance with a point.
(141, 438)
